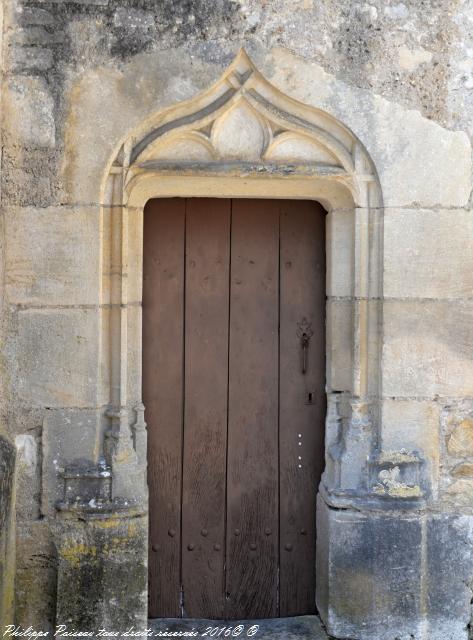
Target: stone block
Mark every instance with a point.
(36, 35)
(35, 15)
(463, 470)
(373, 572)
(163, 81)
(427, 254)
(32, 58)
(458, 493)
(29, 111)
(460, 441)
(407, 152)
(56, 357)
(428, 348)
(26, 188)
(52, 256)
(340, 228)
(449, 559)
(135, 20)
(340, 341)
(388, 576)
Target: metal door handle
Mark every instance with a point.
(305, 347)
(304, 333)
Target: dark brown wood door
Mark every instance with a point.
(233, 384)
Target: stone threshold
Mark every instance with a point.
(298, 628)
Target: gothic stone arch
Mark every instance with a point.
(245, 138)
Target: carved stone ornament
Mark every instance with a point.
(245, 121)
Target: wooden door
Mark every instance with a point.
(233, 385)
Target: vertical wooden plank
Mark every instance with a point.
(163, 313)
(252, 479)
(205, 421)
(302, 295)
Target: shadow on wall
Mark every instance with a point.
(7, 541)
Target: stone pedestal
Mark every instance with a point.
(394, 575)
(102, 551)
(102, 573)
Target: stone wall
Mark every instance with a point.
(79, 77)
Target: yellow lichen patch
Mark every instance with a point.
(397, 457)
(75, 553)
(107, 524)
(399, 491)
(115, 523)
(405, 492)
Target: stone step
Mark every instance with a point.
(298, 628)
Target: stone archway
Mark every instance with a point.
(244, 138)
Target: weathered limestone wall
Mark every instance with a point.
(79, 76)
